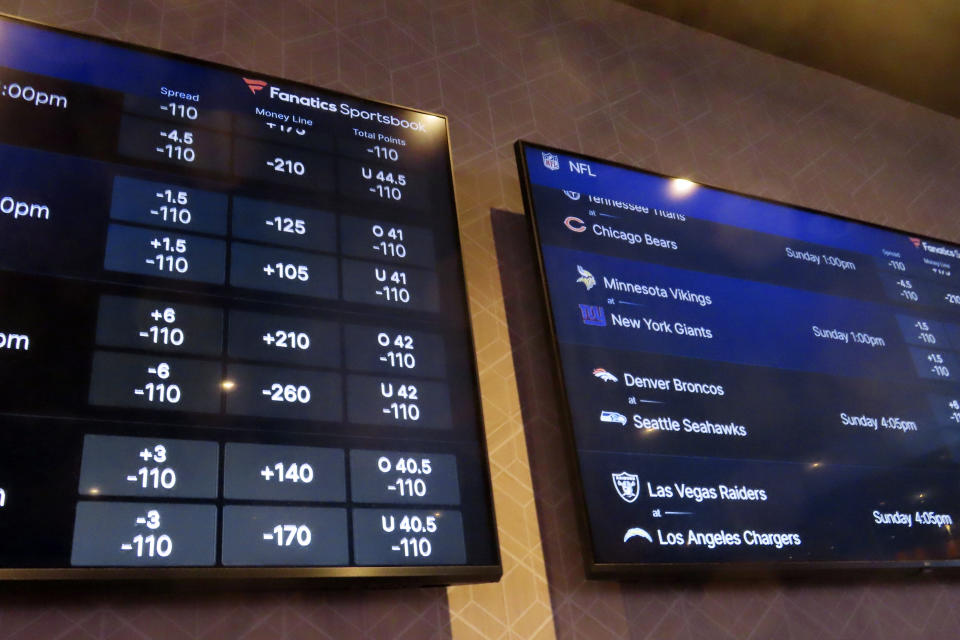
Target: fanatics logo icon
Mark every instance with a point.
(916, 242)
(551, 161)
(255, 85)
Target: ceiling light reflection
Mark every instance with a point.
(681, 187)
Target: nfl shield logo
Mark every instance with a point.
(627, 485)
(551, 161)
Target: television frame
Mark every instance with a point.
(697, 570)
(420, 575)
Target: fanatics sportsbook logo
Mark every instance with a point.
(551, 161)
(255, 85)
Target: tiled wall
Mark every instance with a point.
(595, 76)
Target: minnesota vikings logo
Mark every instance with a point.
(586, 278)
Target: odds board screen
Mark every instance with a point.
(233, 327)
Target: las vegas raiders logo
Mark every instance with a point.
(627, 485)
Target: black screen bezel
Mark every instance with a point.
(421, 575)
(731, 569)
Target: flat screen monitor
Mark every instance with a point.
(234, 336)
(749, 384)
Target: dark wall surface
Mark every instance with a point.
(598, 77)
